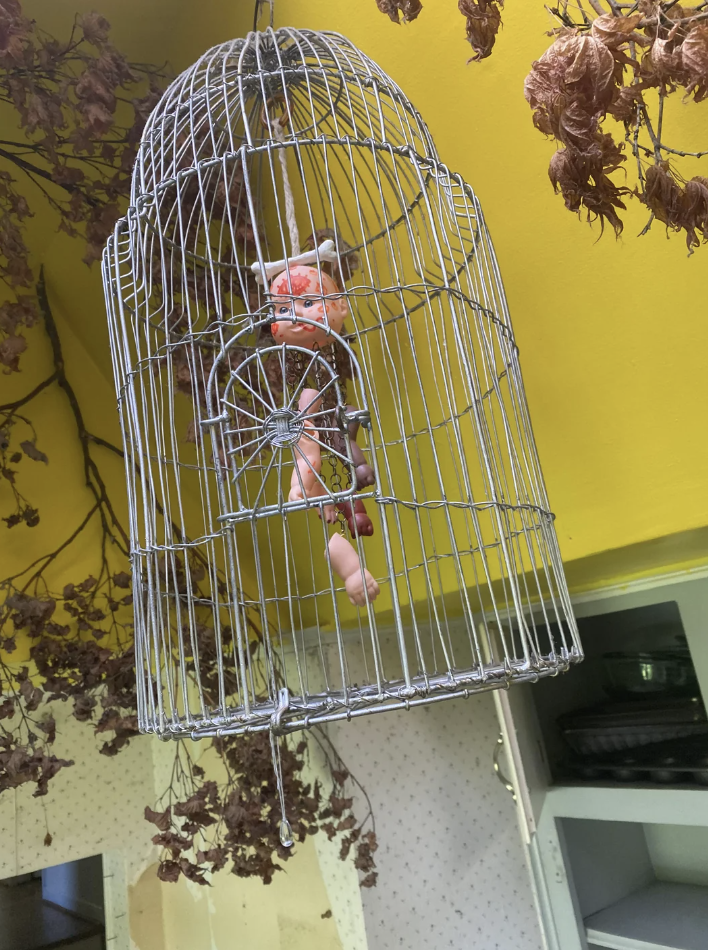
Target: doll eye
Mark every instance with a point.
(308, 303)
(283, 309)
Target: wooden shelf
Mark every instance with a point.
(663, 916)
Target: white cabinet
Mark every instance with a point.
(616, 864)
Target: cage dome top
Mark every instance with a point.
(329, 90)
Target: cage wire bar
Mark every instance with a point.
(241, 624)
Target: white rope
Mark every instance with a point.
(279, 136)
(325, 252)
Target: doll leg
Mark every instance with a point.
(345, 562)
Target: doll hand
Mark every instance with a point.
(330, 514)
(356, 517)
(354, 586)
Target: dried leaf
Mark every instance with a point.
(694, 61)
(678, 208)
(11, 348)
(664, 62)
(400, 10)
(169, 871)
(95, 28)
(83, 707)
(483, 22)
(662, 195)
(582, 177)
(30, 516)
(614, 31)
(48, 840)
(625, 101)
(571, 87)
(161, 819)
(31, 451)
(49, 727)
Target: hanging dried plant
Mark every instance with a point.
(603, 66)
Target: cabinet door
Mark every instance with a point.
(528, 759)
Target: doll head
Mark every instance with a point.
(308, 298)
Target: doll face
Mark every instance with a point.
(306, 299)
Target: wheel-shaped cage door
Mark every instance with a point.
(269, 408)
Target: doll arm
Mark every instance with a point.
(358, 582)
(308, 465)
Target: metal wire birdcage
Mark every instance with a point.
(408, 422)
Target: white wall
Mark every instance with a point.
(679, 853)
(450, 860)
(94, 807)
(452, 871)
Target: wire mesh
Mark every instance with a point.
(241, 622)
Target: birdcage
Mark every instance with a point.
(336, 503)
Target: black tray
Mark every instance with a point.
(680, 760)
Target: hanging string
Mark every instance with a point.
(278, 128)
(257, 12)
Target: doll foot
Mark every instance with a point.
(357, 591)
(364, 476)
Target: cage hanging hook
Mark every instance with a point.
(285, 831)
(257, 13)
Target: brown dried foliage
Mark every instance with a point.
(204, 827)
(81, 107)
(400, 10)
(81, 136)
(482, 23)
(603, 68)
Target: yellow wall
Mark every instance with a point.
(287, 915)
(612, 333)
